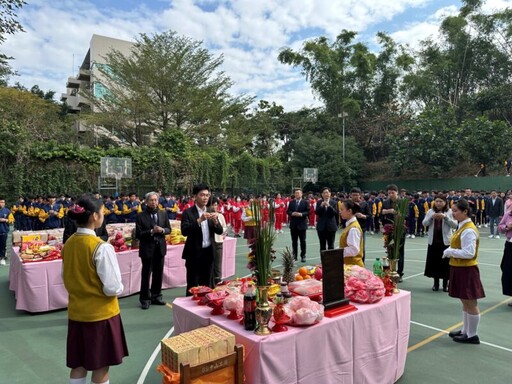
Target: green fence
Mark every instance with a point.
(500, 183)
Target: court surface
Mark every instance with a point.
(32, 346)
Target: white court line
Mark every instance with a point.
(152, 358)
(443, 331)
(410, 277)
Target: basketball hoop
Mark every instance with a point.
(310, 175)
(116, 167)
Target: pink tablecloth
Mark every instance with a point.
(365, 346)
(38, 286)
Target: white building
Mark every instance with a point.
(89, 76)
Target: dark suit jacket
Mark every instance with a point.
(495, 210)
(148, 242)
(296, 222)
(194, 233)
(326, 216)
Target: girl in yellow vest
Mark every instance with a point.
(465, 281)
(249, 223)
(92, 278)
(351, 239)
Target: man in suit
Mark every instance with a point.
(298, 211)
(151, 227)
(200, 227)
(326, 225)
(494, 210)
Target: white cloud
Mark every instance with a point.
(248, 33)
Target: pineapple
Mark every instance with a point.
(288, 265)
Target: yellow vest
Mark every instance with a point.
(455, 242)
(250, 223)
(87, 302)
(353, 260)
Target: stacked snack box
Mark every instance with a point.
(197, 346)
(46, 235)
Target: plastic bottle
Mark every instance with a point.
(250, 308)
(377, 267)
(385, 265)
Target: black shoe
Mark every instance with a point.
(452, 334)
(145, 304)
(435, 288)
(467, 340)
(158, 301)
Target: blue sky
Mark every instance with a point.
(248, 33)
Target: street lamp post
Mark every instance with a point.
(343, 115)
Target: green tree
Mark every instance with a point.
(472, 56)
(9, 25)
(431, 139)
(486, 141)
(325, 153)
(355, 84)
(168, 82)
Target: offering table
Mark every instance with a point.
(38, 286)
(365, 346)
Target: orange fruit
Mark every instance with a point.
(298, 277)
(306, 277)
(303, 271)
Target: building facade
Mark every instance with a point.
(89, 77)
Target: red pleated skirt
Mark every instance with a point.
(94, 345)
(465, 283)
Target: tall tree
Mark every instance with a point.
(431, 139)
(472, 55)
(168, 82)
(355, 84)
(9, 25)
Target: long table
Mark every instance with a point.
(365, 346)
(38, 286)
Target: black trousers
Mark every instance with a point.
(152, 269)
(506, 269)
(200, 269)
(3, 244)
(217, 263)
(298, 234)
(326, 239)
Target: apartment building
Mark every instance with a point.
(89, 76)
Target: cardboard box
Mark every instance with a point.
(175, 224)
(197, 346)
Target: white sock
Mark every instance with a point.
(82, 380)
(464, 329)
(473, 321)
